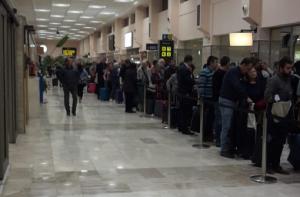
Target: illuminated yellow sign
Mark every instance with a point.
(69, 52)
(166, 49)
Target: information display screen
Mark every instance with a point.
(128, 40)
(69, 52)
(166, 49)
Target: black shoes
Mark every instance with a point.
(74, 113)
(280, 170)
(68, 114)
(227, 155)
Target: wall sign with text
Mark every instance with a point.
(166, 49)
(69, 52)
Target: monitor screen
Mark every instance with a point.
(128, 40)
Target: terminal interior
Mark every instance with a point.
(107, 148)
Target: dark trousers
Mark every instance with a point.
(185, 114)
(80, 90)
(208, 121)
(129, 101)
(67, 92)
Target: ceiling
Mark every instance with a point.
(77, 18)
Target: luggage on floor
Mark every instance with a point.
(195, 122)
(158, 108)
(150, 106)
(119, 96)
(174, 115)
(54, 82)
(91, 87)
(104, 94)
(294, 156)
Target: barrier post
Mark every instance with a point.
(168, 126)
(145, 101)
(263, 177)
(201, 145)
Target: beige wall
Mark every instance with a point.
(53, 51)
(280, 12)
(227, 17)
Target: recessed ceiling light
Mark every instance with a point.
(65, 26)
(75, 11)
(63, 5)
(52, 28)
(83, 32)
(96, 21)
(89, 27)
(69, 21)
(41, 10)
(107, 13)
(86, 17)
(74, 29)
(79, 24)
(55, 23)
(57, 16)
(124, 1)
(78, 35)
(42, 19)
(97, 6)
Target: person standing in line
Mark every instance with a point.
(206, 93)
(186, 83)
(232, 91)
(217, 84)
(83, 80)
(279, 89)
(100, 73)
(70, 79)
(130, 87)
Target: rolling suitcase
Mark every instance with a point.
(91, 87)
(104, 94)
(119, 96)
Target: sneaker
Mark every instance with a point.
(74, 113)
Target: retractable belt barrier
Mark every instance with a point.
(260, 178)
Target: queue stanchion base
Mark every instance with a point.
(263, 179)
(201, 146)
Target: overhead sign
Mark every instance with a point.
(166, 49)
(69, 52)
(151, 46)
(167, 37)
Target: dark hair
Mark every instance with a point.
(297, 67)
(284, 61)
(255, 61)
(211, 59)
(188, 58)
(224, 60)
(247, 61)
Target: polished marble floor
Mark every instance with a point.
(103, 152)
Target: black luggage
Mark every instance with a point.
(294, 156)
(195, 122)
(54, 82)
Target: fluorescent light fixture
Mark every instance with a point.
(83, 32)
(62, 5)
(75, 11)
(89, 27)
(86, 17)
(96, 21)
(55, 23)
(69, 21)
(124, 1)
(65, 26)
(77, 35)
(57, 16)
(42, 26)
(128, 40)
(52, 28)
(79, 24)
(97, 6)
(241, 39)
(107, 13)
(41, 10)
(74, 29)
(42, 19)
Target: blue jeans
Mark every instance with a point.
(226, 116)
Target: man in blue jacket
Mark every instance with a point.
(231, 92)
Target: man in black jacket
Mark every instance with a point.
(185, 89)
(70, 80)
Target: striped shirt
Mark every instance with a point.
(205, 83)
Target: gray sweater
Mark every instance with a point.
(279, 85)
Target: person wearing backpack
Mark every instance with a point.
(83, 80)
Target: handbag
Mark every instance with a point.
(281, 109)
(251, 122)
